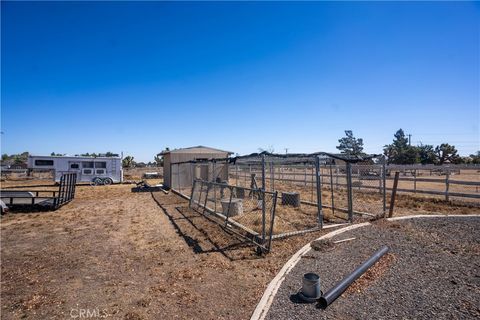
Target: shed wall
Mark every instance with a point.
(172, 158)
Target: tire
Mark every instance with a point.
(96, 181)
(107, 181)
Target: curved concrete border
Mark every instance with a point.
(265, 302)
(434, 216)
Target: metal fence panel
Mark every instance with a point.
(249, 212)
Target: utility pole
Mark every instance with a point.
(409, 139)
(286, 150)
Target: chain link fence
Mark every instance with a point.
(249, 212)
(183, 174)
(368, 189)
(312, 191)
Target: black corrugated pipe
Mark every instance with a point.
(340, 287)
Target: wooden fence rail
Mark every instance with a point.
(306, 179)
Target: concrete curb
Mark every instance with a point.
(434, 216)
(266, 301)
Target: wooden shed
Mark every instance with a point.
(201, 153)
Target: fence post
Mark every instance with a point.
(229, 205)
(331, 190)
(214, 187)
(380, 182)
(384, 177)
(191, 194)
(272, 219)
(447, 185)
(263, 199)
(206, 197)
(415, 181)
(319, 191)
(349, 192)
(336, 176)
(394, 193)
(312, 183)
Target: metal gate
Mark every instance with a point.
(248, 212)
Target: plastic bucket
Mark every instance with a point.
(311, 286)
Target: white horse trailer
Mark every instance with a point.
(107, 170)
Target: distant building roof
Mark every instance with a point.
(196, 149)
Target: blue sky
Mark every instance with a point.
(137, 77)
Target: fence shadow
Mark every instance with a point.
(205, 236)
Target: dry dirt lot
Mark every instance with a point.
(130, 255)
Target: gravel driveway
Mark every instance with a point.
(431, 272)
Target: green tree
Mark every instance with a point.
(399, 151)
(18, 160)
(111, 154)
(426, 154)
(128, 162)
(158, 160)
(447, 154)
(475, 158)
(269, 149)
(350, 145)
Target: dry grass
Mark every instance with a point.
(131, 256)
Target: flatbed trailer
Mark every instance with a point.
(42, 199)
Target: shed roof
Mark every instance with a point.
(196, 149)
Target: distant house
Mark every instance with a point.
(188, 154)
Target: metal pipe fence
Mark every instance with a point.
(248, 212)
(315, 191)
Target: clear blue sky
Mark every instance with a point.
(137, 77)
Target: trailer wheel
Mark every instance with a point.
(96, 181)
(107, 181)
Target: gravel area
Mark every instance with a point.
(431, 272)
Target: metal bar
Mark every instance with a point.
(331, 190)
(263, 199)
(335, 292)
(191, 194)
(214, 188)
(319, 191)
(74, 185)
(229, 205)
(349, 191)
(272, 219)
(201, 191)
(394, 193)
(384, 176)
(206, 198)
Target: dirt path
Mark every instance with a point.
(128, 255)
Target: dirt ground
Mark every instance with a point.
(127, 255)
(124, 255)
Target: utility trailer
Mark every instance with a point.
(42, 199)
(97, 170)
